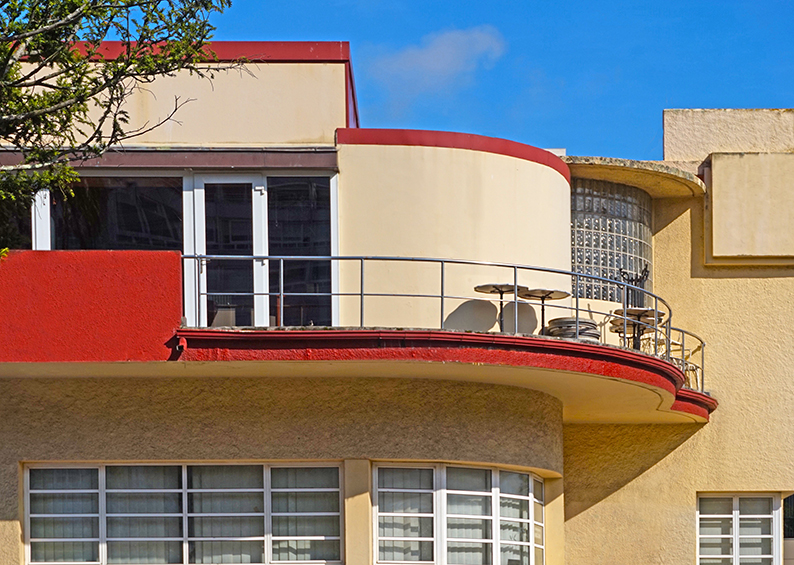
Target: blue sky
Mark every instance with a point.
(592, 77)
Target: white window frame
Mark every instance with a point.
(194, 232)
(440, 513)
(267, 514)
(777, 526)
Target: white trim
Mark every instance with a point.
(334, 196)
(41, 221)
(259, 233)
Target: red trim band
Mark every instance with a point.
(425, 138)
(443, 347)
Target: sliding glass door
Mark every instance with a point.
(255, 216)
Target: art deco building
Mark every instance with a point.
(266, 334)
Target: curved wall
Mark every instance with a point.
(484, 199)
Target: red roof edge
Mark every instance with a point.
(426, 138)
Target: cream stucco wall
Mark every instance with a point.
(631, 491)
(693, 134)
(242, 419)
(275, 104)
(448, 203)
(752, 205)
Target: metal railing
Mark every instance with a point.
(354, 291)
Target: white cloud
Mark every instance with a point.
(444, 62)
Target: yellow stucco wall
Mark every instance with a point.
(239, 419)
(631, 491)
(448, 203)
(751, 204)
(276, 104)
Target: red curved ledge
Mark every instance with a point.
(442, 347)
(424, 138)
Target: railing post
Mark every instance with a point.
(625, 334)
(361, 290)
(576, 292)
(515, 300)
(683, 349)
(281, 292)
(655, 326)
(702, 367)
(442, 295)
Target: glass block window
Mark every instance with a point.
(159, 514)
(739, 530)
(610, 231)
(459, 516)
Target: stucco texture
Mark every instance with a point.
(211, 419)
(630, 491)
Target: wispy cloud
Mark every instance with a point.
(443, 63)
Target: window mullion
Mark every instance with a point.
(103, 554)
(441, 514)
(268, 515)
(185, 543)
(495, 523)
(736, 538)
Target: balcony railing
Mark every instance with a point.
(426, 293)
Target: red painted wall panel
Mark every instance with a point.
(89, 305)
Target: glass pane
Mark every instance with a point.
(305, 477)
(468, 529)
(64, 479)
(405, 527)
(226, 526)
(715, 505)
(755, 561)
(412, 502)
(463, 553)
(229, 230)
(755, 546)
(716, 526)
(225, 502)
(465, 504)
(538, 534)
(514, 531)
(225, 476)
(538, 512)
(755, 506)
(468, 479)
(538, 556)
(514, 483)
(154, 527)
(405, 550)
(305, 526)
(143, 477)
(120, 213)
(226, 551)
(306, 550)
(405, 478)
(515, 554)
(15, 223)
(64, 527)
(145, 552)
(712, 561)
(299, 224)
(59, 551)
(305, 501)
(144, 503)
(64, 503)
(716, 546)
(755, 526)
(538, 490)
(514, 508)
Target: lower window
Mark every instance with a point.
(458, 516)
(739, 530)
(158, 514)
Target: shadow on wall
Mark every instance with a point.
(483, 316)
(601, 459)
(473, 315)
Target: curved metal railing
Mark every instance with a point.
(345, 291)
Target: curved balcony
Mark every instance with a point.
(473, 297)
